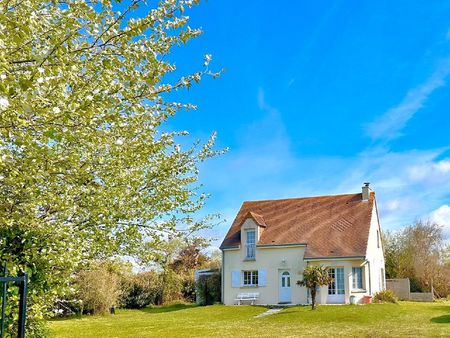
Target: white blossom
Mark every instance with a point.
(4, 103)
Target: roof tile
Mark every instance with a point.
(330, 226)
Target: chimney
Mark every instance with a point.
(366, 191)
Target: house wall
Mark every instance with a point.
(375, 255)
(348, 265)
(272, 260)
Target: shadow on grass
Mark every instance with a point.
(445, 319)
(70, 317)
(167, 308)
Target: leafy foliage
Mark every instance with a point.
(385, 296)
(141, 290)
(98, 286)
(420, 253)
(173, 278)
(86, 171)
(209, 288)
(315, 276)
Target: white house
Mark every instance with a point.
(271, 242)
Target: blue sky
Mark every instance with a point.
(321, 96)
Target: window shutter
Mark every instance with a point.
(262, 277)
(235, 279)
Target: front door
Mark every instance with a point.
(336, 290)
(285, 287)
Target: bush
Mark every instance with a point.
(385, 296)
(415, 285)
(171, 286)
(141, 290)
(188, 289)
(98, 288)
(209, 289)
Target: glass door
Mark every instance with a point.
(336, 289)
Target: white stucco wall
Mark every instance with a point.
(348, 265)
(375, 255)
(272, 260)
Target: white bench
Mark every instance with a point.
(250, 296)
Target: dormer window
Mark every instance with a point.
(250, 244)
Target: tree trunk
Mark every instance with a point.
(313, 298)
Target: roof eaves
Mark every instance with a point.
(334, 258)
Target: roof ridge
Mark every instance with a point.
(299, 198)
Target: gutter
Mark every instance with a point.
(370, 278)
(230, 248)
(222, 296)
(341, 258)
(269, 246)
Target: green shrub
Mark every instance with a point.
(188, 289)
(385, 296)
(171, 286)
(141, 290)
(98, 288)
(209, 289)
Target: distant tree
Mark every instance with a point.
(419, 252)
(191, 257)
(315, 276)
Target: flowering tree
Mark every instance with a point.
(315, 276)
(85, 169)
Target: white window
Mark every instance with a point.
(378, 238)
(251, 278)
(357, 278)
(250, 244)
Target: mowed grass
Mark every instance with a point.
(375, 320)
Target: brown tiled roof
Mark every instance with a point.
(330, 226)
(256, 217)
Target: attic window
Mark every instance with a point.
(250, 244)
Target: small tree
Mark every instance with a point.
(313, 277)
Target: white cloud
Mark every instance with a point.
(251, 173)
(408, 184)
(434, 171)
(442, 216)
(389, 125)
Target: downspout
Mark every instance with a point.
(222, 296)
(370, 279)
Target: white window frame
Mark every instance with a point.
(333, 287)
(250, 247)
(355, 281)
(250, 278)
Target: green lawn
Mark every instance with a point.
(375, 320)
